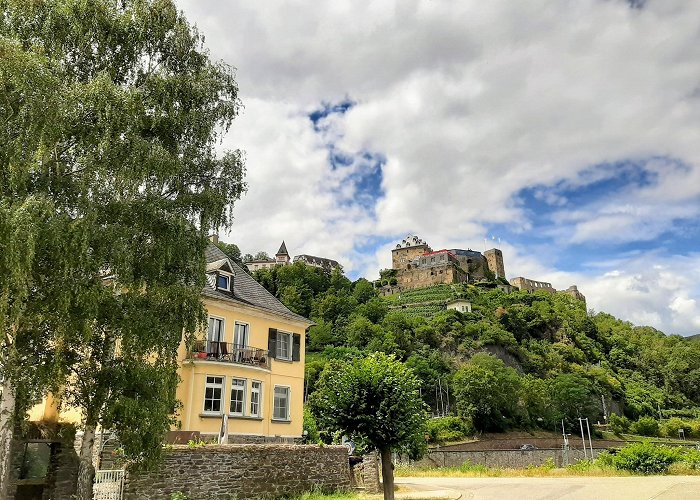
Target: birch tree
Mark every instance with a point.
(110, 180)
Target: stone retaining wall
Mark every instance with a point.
(242, 471)
(507, 459)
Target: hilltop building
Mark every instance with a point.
(321, 262)
(282, 258)
(418, 266)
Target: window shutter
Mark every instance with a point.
(272, 343)
(296, 347)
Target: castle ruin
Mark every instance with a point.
(418, 266)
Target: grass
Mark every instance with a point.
(581, 469)
(314, 495)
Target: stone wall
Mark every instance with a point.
(507, 459)
(529, 285)
(59, 480)
(243, 471)
(422, 277)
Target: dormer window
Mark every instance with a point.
(223, 282)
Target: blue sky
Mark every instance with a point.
(568, 130)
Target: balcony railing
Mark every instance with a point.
(229, 353)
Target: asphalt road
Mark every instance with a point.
(568, 488)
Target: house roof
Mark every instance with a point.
(319, 261)
(245, 289)
(282, 250)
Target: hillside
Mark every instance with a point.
(519, 360)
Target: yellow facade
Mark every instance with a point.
(256, 366)
(281, 373)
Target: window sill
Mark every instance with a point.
(244, 417)
(281, 421)
(210, 415)
(283, 360)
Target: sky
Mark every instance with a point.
(566, 133)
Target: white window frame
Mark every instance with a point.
(258, 392)
(287, 417)
(222, 336)
(228, 280)
(243, 389)
(213, 385)
(278, 346)
(246, 339)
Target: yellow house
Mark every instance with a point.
(249, 364)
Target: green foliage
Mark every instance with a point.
(671, 428)
(484, 390)
(310, 427)
(618, 424)
(447, 429)
(110, 173)
(572, 396)
(645, 458)
(195, 443)
(468, 466)
(374, 399)
(645, 426)
(564, 357)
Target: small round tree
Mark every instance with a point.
(374, 399)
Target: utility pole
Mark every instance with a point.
(605, 410)
(583, 437)
(590, 444)
(565, 448)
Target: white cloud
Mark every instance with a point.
(469, 102)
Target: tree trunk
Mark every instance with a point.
(387, 474)
(7, 423)
(86, 471)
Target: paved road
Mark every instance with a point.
(568, 488)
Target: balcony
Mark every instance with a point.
(229, 353)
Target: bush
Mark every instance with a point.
(619, 424)
(671, 427)
(645, 426)
(646, 458)
(445, 429)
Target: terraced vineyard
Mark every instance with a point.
(434, 293)
(423, 302)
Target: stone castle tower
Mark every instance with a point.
(410, 248)
(494, 260)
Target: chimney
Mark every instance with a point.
(214, 238)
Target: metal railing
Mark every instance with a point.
(229, 353)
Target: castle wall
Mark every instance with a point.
(531, 285)
(421, 277)
(401, 257)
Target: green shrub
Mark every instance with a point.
(583, 465)
(691, 458)
(446, 429)
(671, 427)
(470, 467)
(619, 424)
(695, 428)
(646, 458)
(645, 426)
